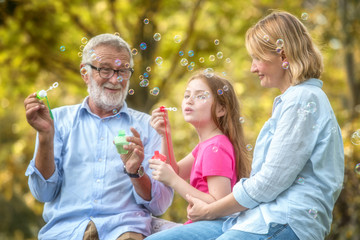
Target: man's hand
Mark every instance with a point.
(135, 156)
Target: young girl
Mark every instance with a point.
(298, 165)
(220, 159)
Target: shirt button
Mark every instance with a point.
(102, 139)
(98, 180)
(100, 159)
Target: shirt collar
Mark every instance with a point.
(86, 108)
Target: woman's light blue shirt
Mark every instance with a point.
(298, 167)
(89, 182)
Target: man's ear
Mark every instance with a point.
(85, 77)
(220, 111)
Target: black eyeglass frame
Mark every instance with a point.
(114, 71)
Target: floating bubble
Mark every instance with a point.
(84, 40)
(192, 64)
(313, 212)
(241, 119)
(220, 92)
(157, 37)
(127, 65)
(225, 88)
(119, 78)
(191, 53)
(190, 67)
(201, 60)
(249, 147)
(280, 43)
(83, 71)
(300, 180)
(155, 91)
(177, 38)
(115, 111)
(143, 46)
(98, 58)
(209, 72)
(219, 55)
(93, 56)
(355, 137)
(212, 58)
(144, 83)
(117, 62)
(148, 69)
(146, 74)
(158, 60)
(266, 37)
(357, 168)
(62, 49)
(224, 73)
(228, 60)
(215, 149)
(304, 16)
(131, 91)
(184, 62)
(278, 49)
(134, 51)
(285, 65)
(117, 34)
(81, 47)
(141, 77)
(80, 54)
(216, 41)
(146, 20)
(181, 53)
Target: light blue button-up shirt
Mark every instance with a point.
(89, 182)
(298, 167)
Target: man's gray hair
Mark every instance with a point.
(108, 40)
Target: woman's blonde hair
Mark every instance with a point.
(304, 58)
(229, 124)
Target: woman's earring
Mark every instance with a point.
(285, 65)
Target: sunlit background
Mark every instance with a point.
(41, 41)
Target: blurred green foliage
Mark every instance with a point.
(32, 32)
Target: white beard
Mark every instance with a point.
(106, 101)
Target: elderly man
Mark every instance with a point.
(88, 190)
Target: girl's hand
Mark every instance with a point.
(197, 209)
(163, 172)
(158, 123)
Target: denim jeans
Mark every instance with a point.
(211, 230)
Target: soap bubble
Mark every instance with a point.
(181, 53)
(355, 137)
(201, 60)
(285, 65)
(241, 119)
(131, 91)
(215, 149)
(228, 60)
(184, 62)
(155, 91)
(80, 54)
(177, 38)
(191, 53)
(143, 46)
(117, 34)
(148, 69)
(84, 40)
(81, 47)
(146, 21)
(134, 51)
(216, 41)
(304, 16)
(83, 71)
(249, 147)
(357, 168)
(115, 111)
(119, 78)
(280, 43)
(313, 212)
(157, 36)
(144, 83)
(209, 72)
(212, 58)
(190, 67)
(220, 92)
(62, 48)
(117, 62)
(219, 55)
(266, 38)
(158, 60)
(300, 180)
(146, 74)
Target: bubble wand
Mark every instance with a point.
(42, 94)
(162, 109)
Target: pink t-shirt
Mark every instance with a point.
(213, 157)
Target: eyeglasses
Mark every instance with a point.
(109, 72)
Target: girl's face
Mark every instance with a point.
(197, 102)
(271, 73)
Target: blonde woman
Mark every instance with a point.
(298, 164)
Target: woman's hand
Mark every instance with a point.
(158, 123)
(163, 172)
(198, 209)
